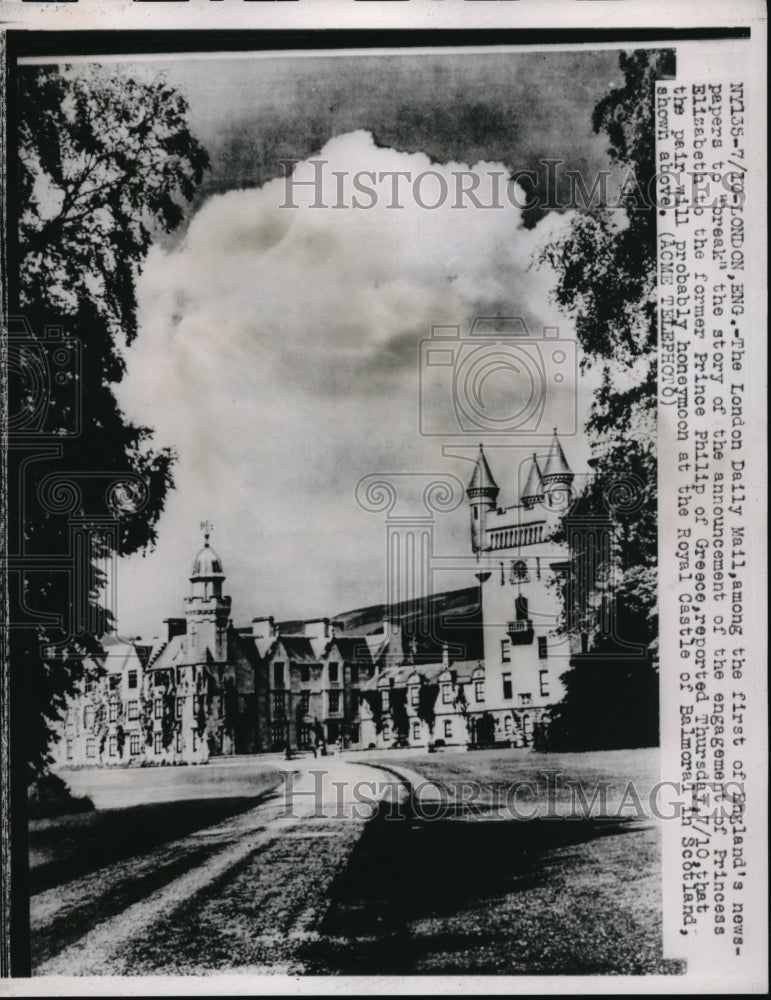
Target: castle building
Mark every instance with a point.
(314, 675)
(521, 572)
(194, 693)
(208, 689)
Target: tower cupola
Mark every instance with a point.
(206, 575)
(208, 612)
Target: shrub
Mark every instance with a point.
(50, 796)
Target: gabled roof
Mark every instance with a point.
(298, 648)
(427, 671)
(116, 654)
(353, 648)
(170, 654)
(243, 645)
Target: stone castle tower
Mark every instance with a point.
(208, 612)
(520, 567)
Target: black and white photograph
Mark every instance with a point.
(380, 589)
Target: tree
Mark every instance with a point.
(399, 714)
(426, 707)
(106, 164)
(606, 281)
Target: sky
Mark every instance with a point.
(279, 348)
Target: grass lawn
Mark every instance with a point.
(174, 803)
(482, 893)
(622, 775)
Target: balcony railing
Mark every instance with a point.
(520, 631)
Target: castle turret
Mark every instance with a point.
(556, 476)
(208, 612)
(482, 493)
(533, 492)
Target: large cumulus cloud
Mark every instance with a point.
(278, 352)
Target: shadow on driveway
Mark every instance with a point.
(496, 896)
(72, 846)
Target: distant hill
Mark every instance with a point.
(454, 616)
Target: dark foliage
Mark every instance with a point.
(606, 281)
(106, 164)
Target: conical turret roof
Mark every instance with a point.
(533, 487)
(482, 482)
(556, 464)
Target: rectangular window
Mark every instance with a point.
(114, 711)
(446, 694)
(133, 710)
(507, 725)
(305, 701)
(196, 704)
(414, 695)
(91, 748)
(543, 651)
(305, 673)
(114, 682)
(544, 678)
(525, 699)
(386, 731)
(180, 706)
(195, 739)
(88, 716)
(113, 746)
(334, 701)
(279, 705)
(158, 742)
(158, 712)
(132, 678)
(505, 650)
(479, 690)
(448, 729)
(69, 749)
(507, 690)
(384, 701)
(278, 675)
(416, 730)
(178, 743)
(334, 672)
(135, 744)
